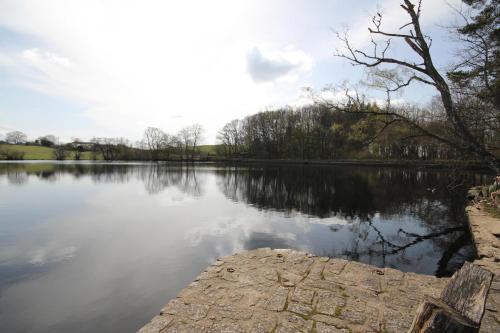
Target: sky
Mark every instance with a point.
(111, 68)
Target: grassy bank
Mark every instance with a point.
(38, 152)
(47, 153)
(208, 149)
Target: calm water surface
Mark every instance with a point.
(102, 247)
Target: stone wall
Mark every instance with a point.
(485, 231)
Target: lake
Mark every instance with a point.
(96, 247)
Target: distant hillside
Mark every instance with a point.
(47, 153)
(37, 152)
(208, 149)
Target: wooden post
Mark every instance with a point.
(461, 304)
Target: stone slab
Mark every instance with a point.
(268, 290)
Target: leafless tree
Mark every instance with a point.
(421, 70)
(77, 154)
(230, 137)
(107, 147)
(190, 136)
(16, 137)
(197, 132)
(60, 152)
(185, 139)
(155, 140)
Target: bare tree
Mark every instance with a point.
(77, 154)
(155, 140)
(185, 139)
(177, 144)
(190, 136)
(109, 148)
(422, 70)
(197, 131)
(16, 137)
(231, 137)
(60, 152)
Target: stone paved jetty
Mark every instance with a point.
(283, 291)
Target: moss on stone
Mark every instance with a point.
(338, 311)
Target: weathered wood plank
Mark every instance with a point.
(434, 316)
(461, 304)
(467, 290)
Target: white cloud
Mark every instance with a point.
(40, 59)
(153, 63)
(47, 255)
(277, 65)
(4, 130)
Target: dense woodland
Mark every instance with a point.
(319, 132)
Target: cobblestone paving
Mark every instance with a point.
(283, 291)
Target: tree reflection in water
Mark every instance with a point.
(391, 217)
(156, 177)
(370, 201)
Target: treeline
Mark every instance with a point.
(322, 132)
(155, 145)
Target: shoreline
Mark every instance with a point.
(467, 165)
(463, 165)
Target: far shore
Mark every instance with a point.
(439, 164)
(464, 164)
(208, 153)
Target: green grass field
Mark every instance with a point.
(46, 153)
(38, 152)
(30, 152)
(208, 149)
